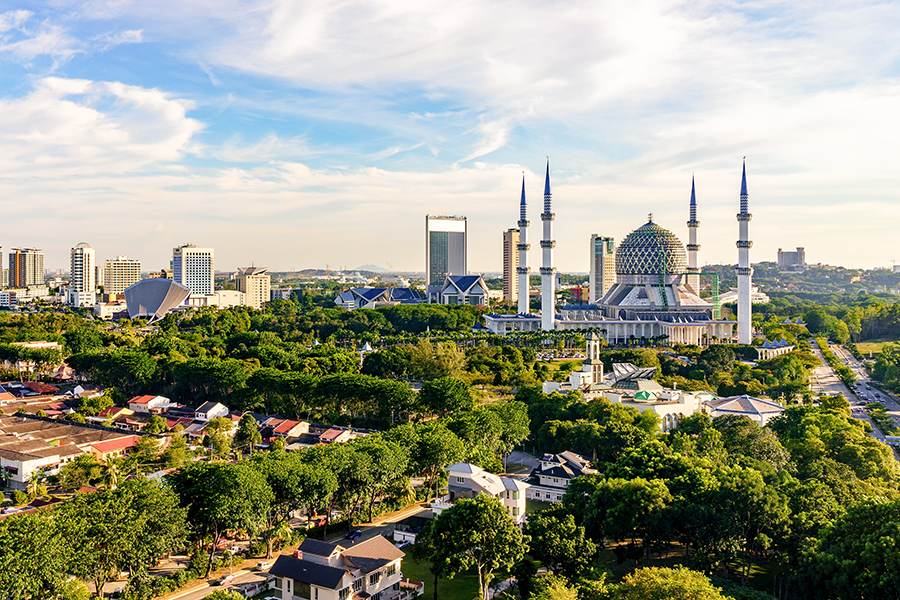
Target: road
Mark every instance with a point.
(381, 526)
(825, 380)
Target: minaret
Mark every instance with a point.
(693, 270)
(524, 246)
(548, 272)
(743, 270)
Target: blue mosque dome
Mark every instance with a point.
(648, 250)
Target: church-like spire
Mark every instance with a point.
(547, 201)
(522, 206)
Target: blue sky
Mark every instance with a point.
(304, 134)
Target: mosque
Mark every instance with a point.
(657, 293)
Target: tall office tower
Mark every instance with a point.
(82, 278)
(256, 283)
(548, 271)
(445, 248)
(522, 270)
(193, 268)
(744, 270)
(26, 267)
(98, 274)
(120, 273)
(693, 269)
(603, 267)
(510, 265)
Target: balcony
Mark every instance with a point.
(408, 590)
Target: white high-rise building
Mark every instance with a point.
(744, 270)
(256, 284)
(193, 268)
(603, 267)
(82, 280)
(523, 271)
(548, 271)
(120, 273)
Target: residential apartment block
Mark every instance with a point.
(26, 267)
(256, 284)
(120, 273)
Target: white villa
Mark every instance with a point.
(467, 481)
(323, 571)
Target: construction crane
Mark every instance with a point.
(716, 300)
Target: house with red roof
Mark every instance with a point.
(149, 404)
(335, 436)
(114, 448)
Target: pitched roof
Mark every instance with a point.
(463, 282)
(141, 400)
(208, 406)
(745, 404)
(372, 554)
(331, 434)
(310, 546)
(308, 572)
(119, 444)
(286, 426)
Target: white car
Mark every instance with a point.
(264, 566)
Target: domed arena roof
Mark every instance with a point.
(646, 249)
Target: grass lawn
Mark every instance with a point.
(761, 575)
(535, 505)
(462, 587)
(873, 346)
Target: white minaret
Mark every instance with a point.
(693, 270)
(524, 246)
(548, 272)
(744, 271)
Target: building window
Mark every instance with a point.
(357, 584)
(515, 495)
(548, 496)
(374, 577)
(390, 570)
(302, 590)
(556, 480)
(460, 480)
(515, 511)
(344, 593)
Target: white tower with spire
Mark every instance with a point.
(548, 271)
(744, 270)
(523, 270)
(693, 269)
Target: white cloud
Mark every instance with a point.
(111, 40)
(72, 127)
(13, 19)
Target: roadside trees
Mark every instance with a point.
(475, 533)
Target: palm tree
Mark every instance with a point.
(111, 473)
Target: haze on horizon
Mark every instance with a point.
(295, 135)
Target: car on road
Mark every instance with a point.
(226, 580)
(354, 534)
(264, 566)
(403, 545)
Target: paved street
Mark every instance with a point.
(825, 380)
(381, 526)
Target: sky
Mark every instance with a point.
(300, 134)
